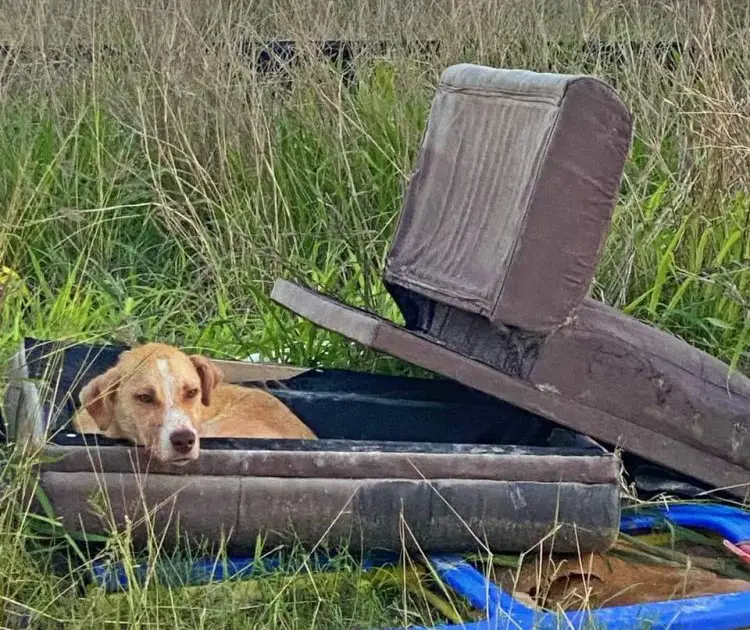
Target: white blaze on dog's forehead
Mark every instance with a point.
(167, 380)
(175, 419)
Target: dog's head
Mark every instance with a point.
(154, 396)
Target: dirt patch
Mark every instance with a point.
(595, 580)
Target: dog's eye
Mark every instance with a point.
(191, 393)
(146, 399)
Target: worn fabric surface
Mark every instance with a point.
(605, 360)
(445, 515)
(512, 194)
(550, 465)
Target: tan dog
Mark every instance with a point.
(164, 400)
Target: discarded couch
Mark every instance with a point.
(498, 241)
(401, 463)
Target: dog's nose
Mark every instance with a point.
(183, 441)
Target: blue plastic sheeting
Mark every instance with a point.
(731, 523)
(114, 577)
(715, 612)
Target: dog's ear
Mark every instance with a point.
(99, 395)
(211, 375)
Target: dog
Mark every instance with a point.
(164, 400)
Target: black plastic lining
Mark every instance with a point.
(345, 404)
(652, 481)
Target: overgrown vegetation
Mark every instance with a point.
(153, 184)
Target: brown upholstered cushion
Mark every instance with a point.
(440, 515)
(608, 361)
(512, 194)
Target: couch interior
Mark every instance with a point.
(348, 410)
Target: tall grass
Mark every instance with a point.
(153, 184)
